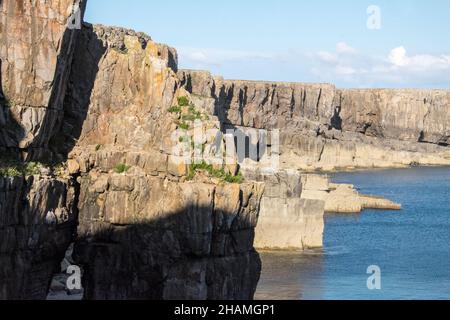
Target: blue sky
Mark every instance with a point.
(301, 41)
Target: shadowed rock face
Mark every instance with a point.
(326, 128)
(37, 224)
(146, 238)
(37, 213)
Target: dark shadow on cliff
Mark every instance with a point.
(32, 245)
(11, 131)
(170, 258)
(63, 130)
(253, 151)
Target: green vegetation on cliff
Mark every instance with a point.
(216, 173)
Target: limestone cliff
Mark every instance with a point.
(87, 137)
(91, 122)
(325, 128)
(147, 232)
(288, 219)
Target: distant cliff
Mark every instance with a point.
(325, 128)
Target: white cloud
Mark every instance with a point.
(399, 58)
(344, 48)
(397, 68)
(209, 56)
(327, 56)
(345, 66)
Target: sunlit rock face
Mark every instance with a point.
(326, 128)
(149, 233)
(36, 50)
(90, 99)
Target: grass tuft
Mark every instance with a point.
(217, 173)
(183, 101)
(121, 168)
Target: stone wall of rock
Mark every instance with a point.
(95, 99)
(36, 50)
(37, 224)
(37, 213)
(144, 237)
(149, 233)
(325, 128)
(287, 220)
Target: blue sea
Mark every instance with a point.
(411, 247)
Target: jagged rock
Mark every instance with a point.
(144, 233)
(98, 100)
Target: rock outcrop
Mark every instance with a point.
(325, 128)
(287, 220)
(146, 238)
(38, 212)
(148, 232)
(37, 224)
(97, 102)
(342, 198)
(36, 51)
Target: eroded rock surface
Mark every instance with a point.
(36, 50)
(37, 224)
(287, 220)
(147, 232)
(97, 101)
(146, 238)
(325, 128)
(342, 198)
(37, 212)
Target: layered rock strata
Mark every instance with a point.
(287, 220)
(109, 105)
(148, 232)
(342, 198)
(36, 51)
(325, 128)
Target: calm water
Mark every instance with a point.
(412, 247)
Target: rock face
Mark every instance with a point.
(109, 105)
(97, 100)
(325, 128)
(37, 224)
(287, 220)
(342, 198)
(37, 213)
(145, 238)
(36, 51)
(148, 233)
